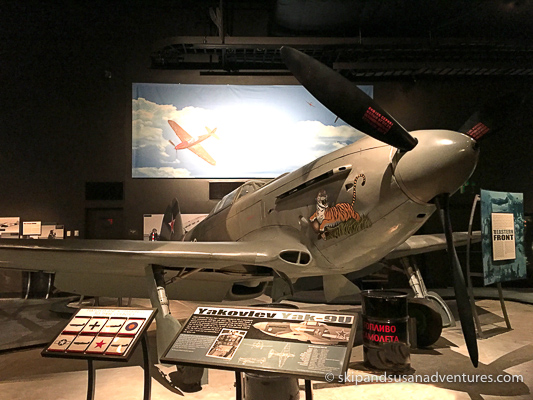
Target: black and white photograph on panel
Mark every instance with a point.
(52, 231)
(9, 226)
(226, 344)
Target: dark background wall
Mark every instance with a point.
(66, 73)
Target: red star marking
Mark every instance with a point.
(100, 344)
(171, 223)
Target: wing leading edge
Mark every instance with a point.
(127, 257)
(419, 244)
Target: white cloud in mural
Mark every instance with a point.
(161, 172)
(175, 161)
(318, 130)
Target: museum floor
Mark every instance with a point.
(24, 374)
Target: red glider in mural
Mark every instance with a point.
(192, 143)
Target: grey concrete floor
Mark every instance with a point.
(446, 368)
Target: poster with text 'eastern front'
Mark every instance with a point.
(230, 131)
(502, 236)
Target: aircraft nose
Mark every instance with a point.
(260, 325)
(440, 163)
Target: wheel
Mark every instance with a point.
(428, 321)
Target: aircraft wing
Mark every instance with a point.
(129, 257)
(418, 244)
(200, 152)
(180, 132)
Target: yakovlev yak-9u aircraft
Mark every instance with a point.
(341, 213)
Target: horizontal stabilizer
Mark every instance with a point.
(212, 132)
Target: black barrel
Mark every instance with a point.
(385, 333)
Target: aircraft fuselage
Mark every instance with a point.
(343, 232)
(191, 142)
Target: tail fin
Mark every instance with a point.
(172, 227)
(212, 132)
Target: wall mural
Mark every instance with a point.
(230, 131)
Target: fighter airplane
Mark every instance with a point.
(307, 331)
(192, 143)
(283, 355)
(341, 213)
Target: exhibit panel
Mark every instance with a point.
(9, 227)
(31, 229)
(52, 231)
(503, 227)
(300, 343)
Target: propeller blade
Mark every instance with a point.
(346, 100)
(492, 116)
(461, 294)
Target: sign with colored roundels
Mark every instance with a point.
(101, 334)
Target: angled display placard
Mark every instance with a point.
(294, 342)
(101, 334)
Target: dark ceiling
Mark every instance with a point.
(362, 38)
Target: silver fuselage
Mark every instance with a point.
(396, 199)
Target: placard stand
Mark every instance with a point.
(106, 334)
(91, 373)
(471, 274)
(269, 349)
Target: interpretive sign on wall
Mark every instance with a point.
(31, 228)
(286, 341)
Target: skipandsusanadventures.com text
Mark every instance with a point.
(424, 378)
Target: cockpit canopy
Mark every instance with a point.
(247, 188)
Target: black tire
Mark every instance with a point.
(428, 321)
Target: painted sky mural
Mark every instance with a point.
(246, 131)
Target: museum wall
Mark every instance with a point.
(66, 113)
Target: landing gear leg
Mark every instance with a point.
(186, 378)
(419, 288)
(428, 309)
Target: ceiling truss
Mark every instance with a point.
(353, 57)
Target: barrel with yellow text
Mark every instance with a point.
(385, 334)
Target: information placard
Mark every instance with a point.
(101, 333)
(285, 341)
(502, 236)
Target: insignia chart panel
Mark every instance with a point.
(101, 333)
